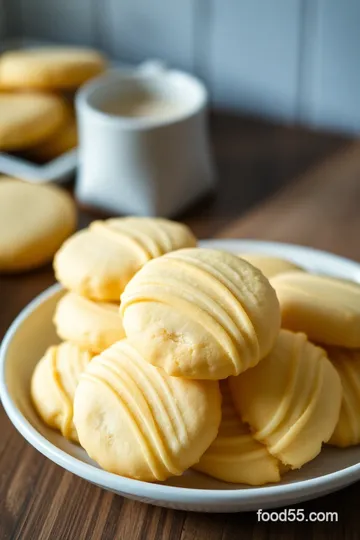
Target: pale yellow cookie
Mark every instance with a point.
(291, 400)
(49, 68)
(325, 308)
(28, 119)
(347, 364)
(58, 144)
(53, 386)
(92, 325)
(34, 221)
(136, 421)
(99, 261)
(235, 456)
(269, 266)
(201, 313)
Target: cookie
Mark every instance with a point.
(58, 144)
(34, 221)
(291, 400)
(91, 325)
(325, 308)
(53, 386)
(269, 266)
(201, 313)
(49, 68)
(99, 261)
(136, 421)
(347, 364)
(28, 119)
(235, 456)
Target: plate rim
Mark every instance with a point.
(158, 492)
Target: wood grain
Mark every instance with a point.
(40, 501)
(320, 210)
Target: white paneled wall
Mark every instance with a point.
(73, 21)
(334, 74)
(139, 29)
(254, 54)
(287, 59)
(2, 19)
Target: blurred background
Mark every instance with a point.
(288, 60)
(284, 83)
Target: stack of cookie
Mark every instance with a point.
(192, 368)
(94, 265)
(37, 87)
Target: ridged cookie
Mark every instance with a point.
(269, 266)
(136, 421)
(29, 118)
(53, 386)
(201, 313)
(91, 325)
(325, 308)
(49, 68)
(34, 221)
(99, 261)
(347, 364)
(235, 456)
(291, 400)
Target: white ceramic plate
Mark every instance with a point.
(32, 332)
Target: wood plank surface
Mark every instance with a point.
(321, 209)
(275, 183)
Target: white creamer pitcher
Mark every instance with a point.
(145, 165)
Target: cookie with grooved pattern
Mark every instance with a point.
(99, 261)
(136, 421)
(269, 266)
(325, 308)
(235, 456)
(201, 313)
(291, 400)
(347, 364)
(92, 325)
(53, 386)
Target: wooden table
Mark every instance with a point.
(275, 183)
